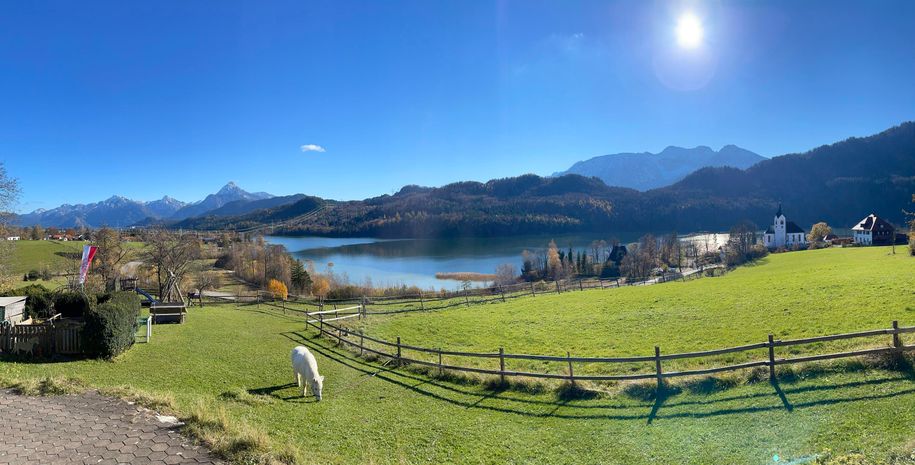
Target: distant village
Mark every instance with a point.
(871, 230)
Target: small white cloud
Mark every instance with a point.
(312, 148)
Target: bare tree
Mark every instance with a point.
(170, 254)
(110, 254)
(9, 193)
(506, 273)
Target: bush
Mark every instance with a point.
(112, 326)
(71, 304)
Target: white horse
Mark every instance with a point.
(305, 370)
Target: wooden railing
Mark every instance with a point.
(437, 301)
(396, 352)
(41, 340)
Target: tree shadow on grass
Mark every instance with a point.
(467, 398)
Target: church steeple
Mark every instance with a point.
(779, 210)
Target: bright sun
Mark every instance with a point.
(689, 31)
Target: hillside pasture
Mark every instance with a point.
(790, 295)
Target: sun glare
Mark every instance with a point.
(689, 31)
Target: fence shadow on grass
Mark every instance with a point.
(647, 408)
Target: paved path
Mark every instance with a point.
(88, 428)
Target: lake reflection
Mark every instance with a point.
(415, 261)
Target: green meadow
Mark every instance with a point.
(235, 360)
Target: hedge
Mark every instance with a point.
(112, 326)
(71, 304)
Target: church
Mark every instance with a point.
(784, 233)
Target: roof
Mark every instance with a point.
(873, 222)
(792, 227)
(4, 301)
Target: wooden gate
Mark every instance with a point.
(41, 340)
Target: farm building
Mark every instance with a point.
(12, 238)
(12, 309)
(873, 230)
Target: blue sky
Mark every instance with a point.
(144, 99)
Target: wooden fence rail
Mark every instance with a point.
(343, 336)
(41, 340)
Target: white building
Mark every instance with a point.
(784, 233)
(874, 230)
(12, 309)
(12, 238)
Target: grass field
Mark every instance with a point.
(237, 359)
(790, 295)
(38, 255)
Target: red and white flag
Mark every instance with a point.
(88, 255)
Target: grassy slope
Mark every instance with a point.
(37, 255)
(790, 295)
(371, 415)
(376, 416)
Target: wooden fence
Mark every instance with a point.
(41, 340)
(396, 349)
(439, 301)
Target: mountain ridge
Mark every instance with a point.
(645, 170)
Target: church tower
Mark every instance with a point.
(781, 236)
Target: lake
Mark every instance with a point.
(415, 261)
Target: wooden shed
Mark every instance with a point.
(12, 309)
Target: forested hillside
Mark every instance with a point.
(838, 183)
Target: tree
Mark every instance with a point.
(170, 254)
(817, 233)
(207, 281)
(9, 193)
(553, 261)
(320, 287)
(111, 252)
(301, 280)
(36, 233)
(506, 273)
(278, 289)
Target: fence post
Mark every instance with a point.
(600, 283)
(501, 290)
(439, 361)
(771, 359)
(533, 294)
(466, 299)
(361, 342)
(422, 303)
(321, 320)
(502, 364)
(148, 328)
(617, 282)
(571, 371)
(398, 350)
(558, 290)
(897, 342)
(657, 366)
(580, 286)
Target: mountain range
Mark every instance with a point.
(646, 170)
(838, 183)
(119, 211)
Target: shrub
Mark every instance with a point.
(71, 304)
(278, 289)
(112, 326)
